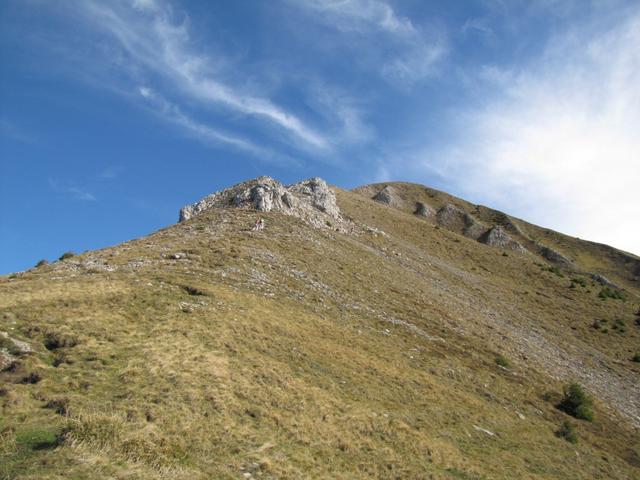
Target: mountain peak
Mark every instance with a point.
(311, 200)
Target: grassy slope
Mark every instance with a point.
(590, 257)
(312, 354)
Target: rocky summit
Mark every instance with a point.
(393, 332)
(311, 200)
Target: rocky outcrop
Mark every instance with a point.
(311, 200)
(424, 210)
(451, 217)
(387, 196)
(497, 237)
(553, 256)
(457, 220)
(472, 228)
(602, 280)
(11, 349)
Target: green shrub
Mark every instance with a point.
(66, 255)
(577, 403)
(579, 281)
(568, 432)
(619, 325)
(554, 270)
(41, 263)
(636, 358)
(614, 293)
(194, 291)
(502, 361)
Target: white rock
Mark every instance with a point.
(311, 200)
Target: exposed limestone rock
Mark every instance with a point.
(455, 219)
(554, 256)
(312, 200)
(424, 210)
(602, 280)
(451, 217)
(316, 192)
(386, 196)
(497, 237)
(11, 349)
(472, 228)
(16, 347)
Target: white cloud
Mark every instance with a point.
(561, 145)
(341, 110)
(157, 43)
(415, 53)
(205, 133)
(361, 15)
(71, 189)
(478, 25)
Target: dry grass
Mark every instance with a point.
(305, 353)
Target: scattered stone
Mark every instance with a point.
(177, 256)
(484, 430)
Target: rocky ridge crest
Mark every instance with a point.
(311, 200)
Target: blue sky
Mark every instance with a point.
(114, 114)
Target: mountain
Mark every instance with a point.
(393, 331)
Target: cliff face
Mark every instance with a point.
(351, 337)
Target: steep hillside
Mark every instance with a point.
(473, 221)
(361, 341)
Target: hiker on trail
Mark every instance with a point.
(259, 224)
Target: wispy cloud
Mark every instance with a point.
(207, 134)
(70, 188)
(415, 52)
(342, 110)
(158, 41)
(361, 15)
(560, 145)
(479, 26)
